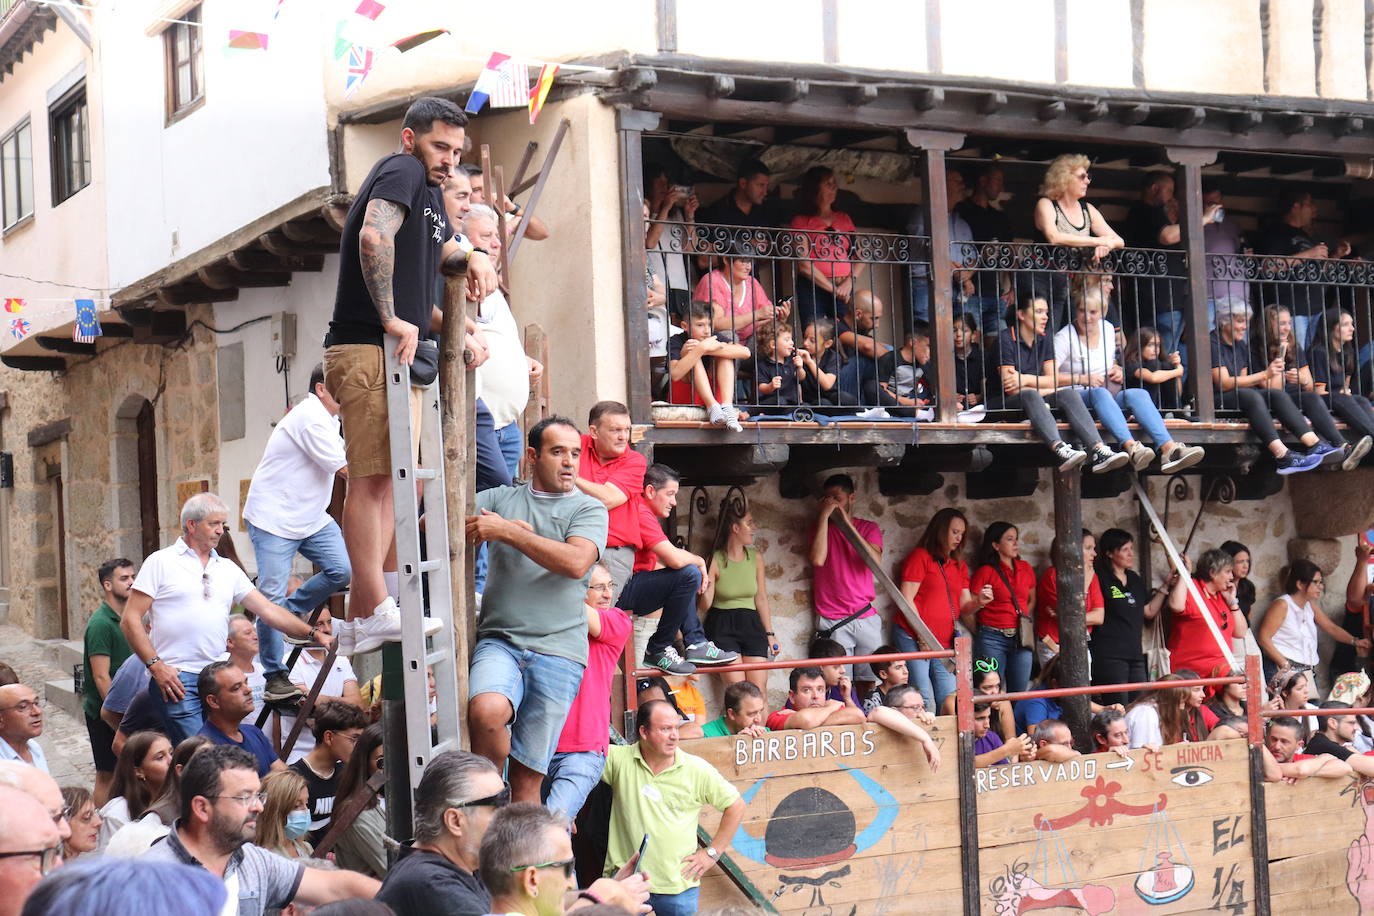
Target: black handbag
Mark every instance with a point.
(425, 368)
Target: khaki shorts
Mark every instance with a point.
(355, 375)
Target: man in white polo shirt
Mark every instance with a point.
(187, 590)
(286, 514)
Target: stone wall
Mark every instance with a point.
(1266, 527)
(99, 467)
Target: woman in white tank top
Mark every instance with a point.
(1288, 634)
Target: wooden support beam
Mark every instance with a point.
(251, 260)
(194, 294)
(924, 637)
(992, 102)
(1069, 607)
(861, 95)
(901, 482)
(334, 215)
(1343, 127)
(1134, 114)
(162, 327)
(1093, 111)
(1001, 482)
(1188, 181)
(720, 86)
(794, 91)
(314, 231)
(279, 243)
(1189, 118)
(222, 276)
(1051, 110)
(115, 329)
(66, 345)
(1294, 123)
(34, 363)
(928, 98)
(1242, 122)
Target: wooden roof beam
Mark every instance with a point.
(66, 345)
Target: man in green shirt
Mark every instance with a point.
(105, 650)
(658, 791)
(743, 713)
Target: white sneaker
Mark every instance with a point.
(384, 626)
(347, 638)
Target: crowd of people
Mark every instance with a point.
(751, 305)
(203, 810)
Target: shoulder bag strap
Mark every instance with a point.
(1015, 602)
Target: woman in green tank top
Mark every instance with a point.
(737, 597)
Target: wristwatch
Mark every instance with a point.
(152, 661)
(713, 852)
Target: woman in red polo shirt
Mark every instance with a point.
(1191, 643)
(936, 581)
(1047, 599)
(1012, 581)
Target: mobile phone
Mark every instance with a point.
(639, 856)
(1219, 215)
(686, 189)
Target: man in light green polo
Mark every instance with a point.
(659, 790)
(105, 649)
(743, 713)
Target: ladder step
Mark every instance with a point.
(436, 657)
(431, 565)
(426, 473)
(448, 744)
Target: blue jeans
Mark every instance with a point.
(572, 776)
(928, 675)
(1013, 661)
(989, 311)
(1136, 402)
(674, 590)
(325, 548)
(512, 446)
(920, 297)
(1304, 328)
(181, 717)
(683, 904)
(491, 472)
(541, 689)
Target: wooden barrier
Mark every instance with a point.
(851, 822)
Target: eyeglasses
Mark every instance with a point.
(566, 865)
(47, 858)
(1086, 176)
(23, 707)
(499, 800)
(604, 587)
(246, 799)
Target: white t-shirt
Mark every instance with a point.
(290, 492)
(1075, 360)
(304, 672)
(190, 629)
(257, 683)
(503, 381)
(1142, 724)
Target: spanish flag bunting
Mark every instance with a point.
(541, 89)
(14, 305)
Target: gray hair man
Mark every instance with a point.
(187, 590)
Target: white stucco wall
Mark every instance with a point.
(66, 243)
(258, 141)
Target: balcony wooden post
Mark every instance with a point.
(935, 204)
(1188, 190)
(630, 127)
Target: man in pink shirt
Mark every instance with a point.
(576, 766)
(842, 583)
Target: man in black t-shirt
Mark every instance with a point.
(744, 204)
(395, 238)
(1335, 737)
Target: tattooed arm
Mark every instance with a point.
(377, 254)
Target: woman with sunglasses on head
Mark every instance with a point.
(1191, 643)
(362, 845)
(1288, 633)
(1115, 645)
(1064, 217)
(1292, 690)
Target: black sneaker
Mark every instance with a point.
(708, 653)
(1104, 460)
(1069, 457)
(670, 662)
(1296, 462)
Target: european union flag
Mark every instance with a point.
(87, 327)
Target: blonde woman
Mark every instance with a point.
(285, 817)
(1064, 217)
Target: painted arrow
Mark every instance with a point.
(1126, 762)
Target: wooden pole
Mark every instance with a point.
(455, 412)
(1073, 625)
(1188, 185)
(1259, 818)
(968, 788)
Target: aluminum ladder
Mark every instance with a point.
(416, 653)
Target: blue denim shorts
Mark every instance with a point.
(541, 690)
(570, 779)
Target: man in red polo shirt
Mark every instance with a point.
(674, 587)
(613, 472)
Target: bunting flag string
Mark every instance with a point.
(540, 92)
(14, 305)
(19, 328)
(87, 326)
